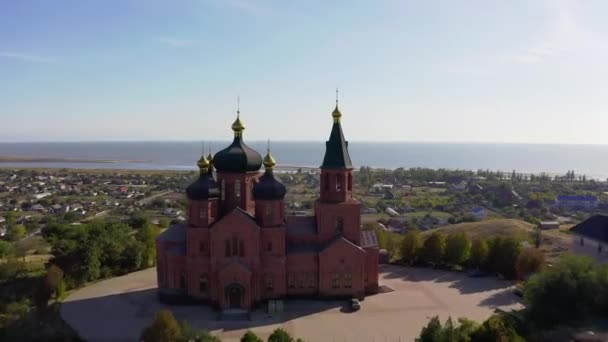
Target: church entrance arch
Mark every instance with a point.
(234, 295)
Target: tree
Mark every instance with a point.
(507, 253)
(163, 222)
(411, 245)
(189, 334)
(6, 249)
(431, 332)
(250, 336)
(147, 235)
(54, 277)
(479, 253)
(433, 248)
(139, 220)
(17, 232)
(497, 328)
(529, 261)
(457, 248)
(164, 328)
(280, 335)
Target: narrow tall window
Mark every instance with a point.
(182, 281)
(269, 283)
(326, 181)
(348, 280)
(203, 213)
(338, 183)
(335, 280)
(227, 247)
(237, 188)
(350, 182)
(339, 225)
(203, 285)
(269, 247)
(201, 248)
(241, 249)
(303, 280)
(268, 209)
(311, 280)
(235, 246)
(291, 280)
(223, 189)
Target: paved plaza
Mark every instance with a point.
(118, 309)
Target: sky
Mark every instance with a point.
(533, 71)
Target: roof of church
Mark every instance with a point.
(203, 188)
(335, 240)
(336, 148)
(175, 233)
(301, 225)
(238, 157)
(269, 188)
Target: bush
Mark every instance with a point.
(280, 335)
(529, 261)
(250, 336)
(164, 328)
(435, 332)
(499, 328)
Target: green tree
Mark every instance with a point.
(497, 328)
(164, 328)
(529, 261)
(189, 334)
(431, 332)
(411, 245)
(280, 335)
(507, 254)
(433, 249)
(147, 235)
(479, 253)
(16, 232)
(139, 220)
(250, 336)
(6, 249)
(457, 248)
(163, 222)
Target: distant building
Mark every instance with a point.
(549, 225)
(591, 238)
(479, 213)
(577, 201)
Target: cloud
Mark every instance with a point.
(25, 57)
(175, 42)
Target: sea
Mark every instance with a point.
(590, 160)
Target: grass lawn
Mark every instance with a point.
(420, 214)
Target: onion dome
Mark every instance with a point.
(268, 188)
(336, 114)
(238, 157)
(205, 186)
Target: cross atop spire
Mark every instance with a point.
(336, 97)
(336, 113)
(238, 106)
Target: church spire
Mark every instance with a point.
(336, 148)
(269, 161)
(203, 163)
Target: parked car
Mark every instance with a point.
(355, 304)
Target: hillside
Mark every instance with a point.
(488, 228)
(553, 242)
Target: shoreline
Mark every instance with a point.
(9, 159)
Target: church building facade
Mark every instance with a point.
(238, 248)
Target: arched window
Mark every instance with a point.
(227, 247)
(203, 213)
(203, 285)
(339, 225)
(338, 182)
(268, 209)
(237, 188)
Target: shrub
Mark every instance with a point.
(164, 328)
(280, 335)
(479, 253)
(250, 336)
(529, 261)
(410, 246)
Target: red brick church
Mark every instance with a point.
(238, 247)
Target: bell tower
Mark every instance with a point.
(336, 211)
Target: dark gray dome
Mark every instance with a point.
(268, 188)
(237, 158)
(203, 188)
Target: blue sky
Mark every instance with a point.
(463, 71)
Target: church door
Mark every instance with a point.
(234, 297)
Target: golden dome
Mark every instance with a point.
(238, 126)
(336, 113)
(269, 161)
(210, 157)
(203, 163)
